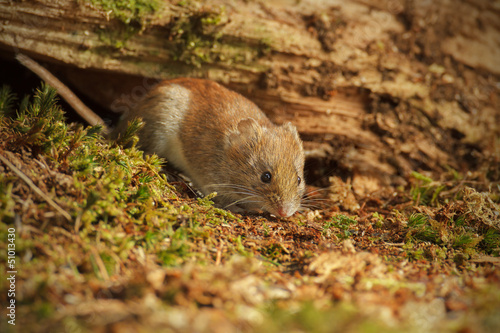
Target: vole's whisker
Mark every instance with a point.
(244, 193)
(313, 207)
(314, 193)
(237, 189)
(315, 200)
(242, 200)
(227, 185)
(249, 191)
(241, 191)
(312, 197)
(323, 189)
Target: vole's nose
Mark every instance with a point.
(286, 210)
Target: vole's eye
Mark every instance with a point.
(266, 177)
(299, 180)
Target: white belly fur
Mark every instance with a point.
(175, 103)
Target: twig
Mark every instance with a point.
(62, 90)
(100, 264)
(35, 188)
(394, 244)
(219, 253)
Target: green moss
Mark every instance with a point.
(379, 220)
(196, 35)
(425, 190)
(7, 100)
(117, 38)
(40, 124)
(44, 310)
(126, 222)
(341, 222)
(133, 16)
(105, 186)
(7, 203)
(197, 39)
(491, 242)
(423, 228)
(308, 317)
(413, 252)
(453, 234)
(129, 11)
(274, 251)
(240, 247)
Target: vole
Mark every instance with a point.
(222, 141)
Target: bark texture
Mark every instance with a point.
(377, 89)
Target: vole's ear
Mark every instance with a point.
(247, 130)
(290, 128)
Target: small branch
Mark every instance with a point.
(100, 264)
(35, 188)
(394, 244)
(62, 90)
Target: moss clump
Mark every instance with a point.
(7, 100)
(425, 190)
(452, 230)
(105, 192)
(133, 16)
(132, 242)
(342, 223)
(135, 12)
(97, 183)
(196, 34)
(101, 175)
(461, 219)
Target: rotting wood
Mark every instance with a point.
(384, 80)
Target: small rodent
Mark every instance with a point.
(223, 142)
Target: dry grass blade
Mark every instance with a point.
(35, 188)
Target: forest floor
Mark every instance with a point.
(95, 238)
(104, 243)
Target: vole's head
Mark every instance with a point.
(266, 167)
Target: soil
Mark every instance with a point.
(398, 106)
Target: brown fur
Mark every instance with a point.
(222, 140)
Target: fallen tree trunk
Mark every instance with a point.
(377, 89)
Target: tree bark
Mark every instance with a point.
(377, 89)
